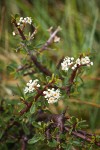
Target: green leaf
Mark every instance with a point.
(73, 119)
(77, 143)
(90, 148)
(26, 130)
(17, 16)
(10, 69)
(36, 138)
(36, 125)
(1, 134)
(53, 143)
(20, 91)
(70, 131)
(33, 140)
(33, 108)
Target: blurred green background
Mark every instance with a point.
(80, 23)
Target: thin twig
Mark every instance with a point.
(19, 29)
(81, 136)
(24, 142)
(71, 81)
(29, 73)
(42, 68)
(49, 41)
(24, 67)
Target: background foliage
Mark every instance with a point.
(80, 33)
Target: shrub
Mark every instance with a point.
(29, 121)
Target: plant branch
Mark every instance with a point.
(59, 121)
(29, 73)
(24, 67)
(81, 136)
(71, 81)
(24, 142)
(40, 92)
(18, 28)
(49, 41)
(42, 68)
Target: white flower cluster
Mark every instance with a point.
(52, 95)
(13, 33)
(31, 86)
(69, 62)
(24, 20)
(84, 61)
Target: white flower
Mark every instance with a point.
(52, 100)
(56, 39)
(25, 20)
(86, 61)
(52, 95)
(29, 20)
(21, 18)
(78, 61)
(26, 90)
(67, 62)
(18, 23)
(13, 33)
(31, 86)
(72, 58)
(91, 63)
(73, 68)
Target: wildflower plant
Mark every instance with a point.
(32, 121)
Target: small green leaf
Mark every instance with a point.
(17, 16)
(26, 130)
(36, 138)
(73, 119)
(33, 140)
(70, 131)
(53, 143)
(1, 134)
(20, 91)
(10, 69)
(77, 143)
(33, 109)
(36, 125)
